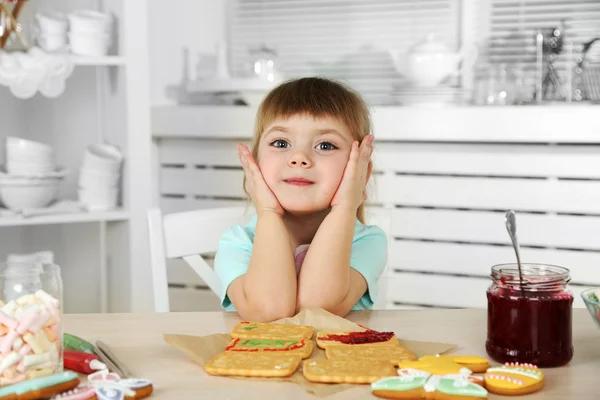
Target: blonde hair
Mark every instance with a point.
(318, 97)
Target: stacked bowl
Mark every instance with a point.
(31, 178)
(52, 30)
(89, 33)
(99, 177)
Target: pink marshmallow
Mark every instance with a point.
(24, 350)
(52, 309)
(8, 321)
(7, 341)
(27, 320)
(39, 322)
(21, 366)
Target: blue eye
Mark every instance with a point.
(326, 146)
(280, 144)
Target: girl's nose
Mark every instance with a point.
(299, 159)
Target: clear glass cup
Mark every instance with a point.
(30, 320)
(530, 323)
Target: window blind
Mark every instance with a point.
(341, 39)
(510, 27)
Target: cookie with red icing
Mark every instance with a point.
(369, 337)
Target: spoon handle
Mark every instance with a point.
(511, 226)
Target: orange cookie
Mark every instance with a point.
(301, 347)
(514, 379)
(474, 363)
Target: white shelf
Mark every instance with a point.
(97, 61)
(575, 123)
(68, 218)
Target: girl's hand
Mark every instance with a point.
(260, 193)
(351, 192)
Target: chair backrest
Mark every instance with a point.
(190, 235)
(187, 235)
(382, 217)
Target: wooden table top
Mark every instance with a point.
(137, 339)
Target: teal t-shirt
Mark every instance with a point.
(368, 256)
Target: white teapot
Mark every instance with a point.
(428, 63)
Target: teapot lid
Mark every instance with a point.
(430, 45)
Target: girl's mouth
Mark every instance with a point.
(298, 181)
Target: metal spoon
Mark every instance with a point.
(511, 226)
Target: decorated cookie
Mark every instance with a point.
(253, 364)
(40, 388)
(260, 330)
(370, 337)
(103, 385)
(436, 365)
(393, 354)
(514, 379)
(419, 385)
(300, 347)
(474, 363)
(346, 371)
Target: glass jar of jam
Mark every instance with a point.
(529, 321)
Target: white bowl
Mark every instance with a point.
(17, 194)
(89, 44)
(37, 149)
(89, 178)
(89, 21)
(100, 199)
(14, 167)
(52, 22)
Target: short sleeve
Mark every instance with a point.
(369, 257)
(232, 259)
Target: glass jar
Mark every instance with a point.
(30, 321)
(530, 323)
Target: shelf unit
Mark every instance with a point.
(104, 254)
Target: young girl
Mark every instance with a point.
(306, 175)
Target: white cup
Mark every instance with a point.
(90, 22)
(52, 23)
(99, 199)
(89, 178)
(102, 157)
(52, 42)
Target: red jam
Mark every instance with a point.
(369, 336)
(532, 325)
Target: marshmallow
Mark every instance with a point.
(25, 300)
(39, 322)
(9, 373)
(33, 342)
(8, 321)
(10, 360)
(43, 341)
(46, 298)
(24, 350)
(17, 344)
(36, 359)
(29, 318)
(9, 308)
(7, 341)
(38, 373)
(50, 334)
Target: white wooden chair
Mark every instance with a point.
(188, 236)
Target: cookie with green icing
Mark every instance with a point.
(435, 387)
(301, 347)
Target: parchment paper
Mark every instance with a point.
(202, 348)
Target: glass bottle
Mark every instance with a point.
(531, 323)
